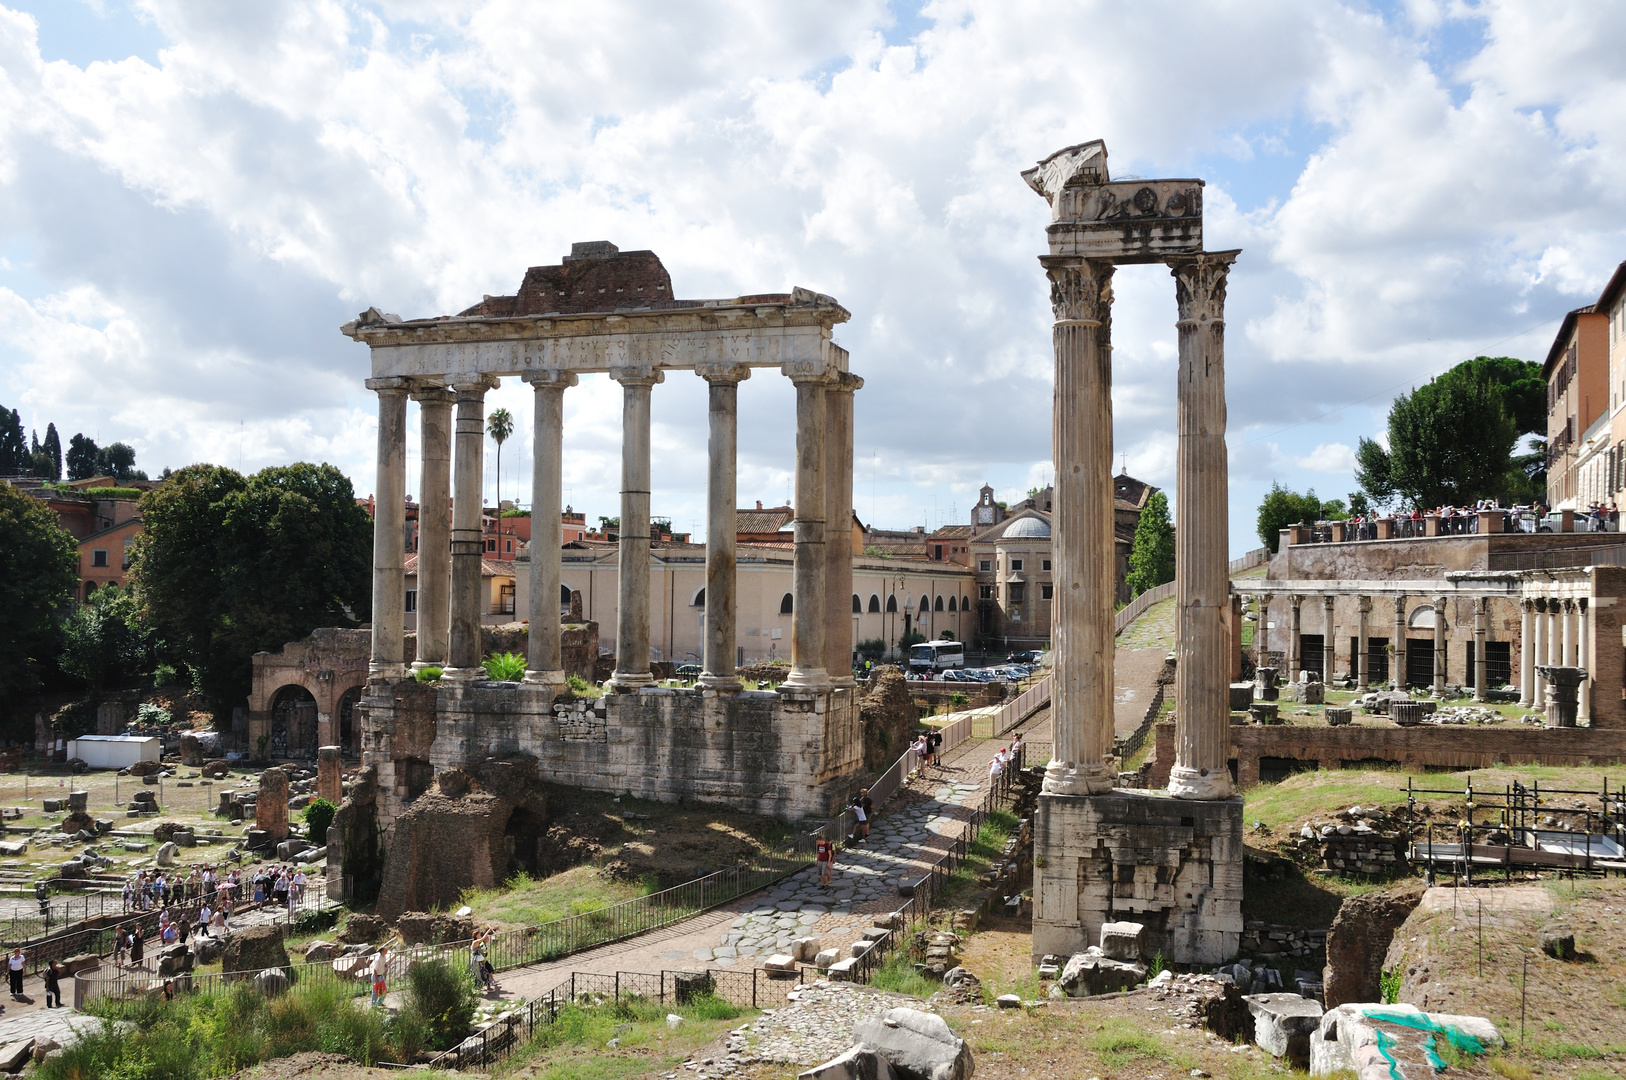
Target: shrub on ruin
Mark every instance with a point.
(582, 688)
(505, 667)
(150, 715)
(443, 998)
(429, 674)
(318, 816)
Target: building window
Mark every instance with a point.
(98, 557)
(939, 602)
(858, 605)
(786, 604)
(985, 592)
(892, 604)
(505, 600)
(925, 604)
(874, 603)
(1016, 565)
(1044, 564)
(985, 565)
(510, 545)
(412, 599)
(1017, 591)
(491, 545)
(1047, 591)
(937, 552)
(952, 605)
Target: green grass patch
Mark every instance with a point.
(525, 900)
(984, 848)
(576, 1046)
(898, 976)
(1122, 1044)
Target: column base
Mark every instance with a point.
(808, 680)
(462, 674)
(377, 672)
(545, 678)
(722, 684)
(1203, 784)
(1068, 778)
(419, 665)
(629, 682)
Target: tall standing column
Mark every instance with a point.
(1480, 667)
(1295, 644)
(808, 617)
(1566, 623)
(1439, 645)
(722, 530)
(1329, 638)
(389, 532)
(838, 505)
(1363, 660)
(1082, 527)
(468, 505)
(544, 660)
(1583, 660)
(632, 575)
(1555, 633)
(1397, 677)
(434, 524)
(1202, 730)
(1261, 632)
(1527, 653)
(1538, 684)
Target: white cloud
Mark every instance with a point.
(181, 238)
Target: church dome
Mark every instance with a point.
(1028, 528)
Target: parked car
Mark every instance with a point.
(1027, 656)
(687, 671)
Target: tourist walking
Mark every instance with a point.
(825, 853)
(16, 964)
(864, 807)
(53, 986)
(381, 966)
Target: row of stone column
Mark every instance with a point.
(1082, 629)
(1554, 633)
(1397, 674)
(450, 549)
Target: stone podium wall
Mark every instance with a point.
(791, 756)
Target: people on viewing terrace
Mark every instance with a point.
(1464, 521)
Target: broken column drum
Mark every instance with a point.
(1171, 861)
(1563, 694)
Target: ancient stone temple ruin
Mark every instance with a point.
(1169, 860)
(792, 753)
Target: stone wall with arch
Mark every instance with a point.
(331, 667)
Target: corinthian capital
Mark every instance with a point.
(1080, 289)
(637, 375)
(714, 371)
(1199, 284)
(550, 379)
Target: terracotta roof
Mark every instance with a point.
(951, 532)
(766, 520)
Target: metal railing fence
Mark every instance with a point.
(1137, 607)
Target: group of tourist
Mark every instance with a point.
(283, 885)
(1005, 758)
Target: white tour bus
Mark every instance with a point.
(936, 656)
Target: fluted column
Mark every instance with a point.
(468, 504)
(1555, 633)
(1082, 527)
(1539, 654)
(1397, 677)
(1480, 667)
(1202, 730)
(838, 504)
(434, 524)
(1261, 633)
(1583, 659)
(1329, 638)
(544, 661)
(1363, 660)
(389, 532)
(1566, 623)
(1295, 649)
(722, 530)
(632, 576)
(1527, 653)
(1439, 645)
(808, 617)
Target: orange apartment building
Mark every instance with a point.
(1586, 399)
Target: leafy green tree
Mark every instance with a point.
(318, 816)
(1450, 443)
(13, 448)
(45, 458)
(118, 460)
(1452, 440)
(39, 573)
(81, 457)
(1151, 560)
(1281, 508)
(499, 425)
(230, 565)
(104, 639)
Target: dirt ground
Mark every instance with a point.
(1574, 1009)
(325, 1066)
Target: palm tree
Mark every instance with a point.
(499, 425)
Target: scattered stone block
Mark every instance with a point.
(1558, 942)
(136, 847)
(825, 958)
(166, 854)
(1122, 941)
(320, 952)
(14, 1055)
(42, 1047)
(290, 848)
(1309, 693)
(874, 933)
(10, 848)
(78, 802)
(853, 1063)
(805, 949)
(185, 838)
(271, 982)
(271, 808)
(1264, 712)
(1337, 717)
(1241, 696)
(1348, 1040)
(53, 806)
(781, 963)
(842, 970)
(351, 967)
(253, 949)
(1406, 713)
(1283, 1024)
(917, 1044)
(1089, 973)
(1009, 1001)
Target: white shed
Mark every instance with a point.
(113, 751)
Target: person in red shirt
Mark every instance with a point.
(825, 852)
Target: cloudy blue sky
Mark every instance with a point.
(194, 195)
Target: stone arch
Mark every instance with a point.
(293, 721)
(787, 604)
(874, 604)
(348, 721)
